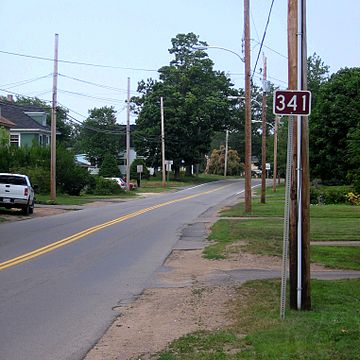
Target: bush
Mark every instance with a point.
(39, 177)
(76, 182)
(106, 187)
(329, 195)
(133, 169)
(354, 178)
(354, 199)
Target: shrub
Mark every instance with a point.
(106, 187)
(329, 195)
(39, 177)
(354, 199)
(76, 182)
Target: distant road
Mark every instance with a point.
(61, 276)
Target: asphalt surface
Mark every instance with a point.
(56, 303)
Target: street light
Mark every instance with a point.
(205, 47)
(245, 60)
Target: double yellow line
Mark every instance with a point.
(68, 240)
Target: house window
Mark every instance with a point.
(44, 140)
(15, 140)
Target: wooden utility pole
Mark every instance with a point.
(226, 153)
(300, 184)
(163, 142)
(305, 198)
(275, 151)
(292, 79)
(53, 123)
(128, 137)
(247, 108)
(263, 138)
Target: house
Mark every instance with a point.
(80, 160)
(26, 124)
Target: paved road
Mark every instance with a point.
(61, 276)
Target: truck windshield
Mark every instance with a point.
(12, 180)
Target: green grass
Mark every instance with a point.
(337, 257)
(77, 200)
(261, 236)
(154, 184)
(331, 229)
(330, 331)
(261, 232)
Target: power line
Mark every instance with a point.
(75, 62)
(263, 38)
(22, 95)
(271, 49)
(96, 84)
(259, 73)
(24, 82)
(109, 100)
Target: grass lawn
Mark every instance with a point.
(330, 331)
(262, 231)
(77, 200)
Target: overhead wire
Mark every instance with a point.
(271, 49)
(109, 100)
(75, 62)
(263, 38)
(96, 84)
(24, 82)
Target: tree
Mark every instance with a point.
(317, 74)
(353, 146)
(109, 167)
(195, 105)
(217, 162)
(334, 117)
(100, 135)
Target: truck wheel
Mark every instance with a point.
(31, 208)
(26, 210)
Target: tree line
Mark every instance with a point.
(200, 104)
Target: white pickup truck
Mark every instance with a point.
(16, 192)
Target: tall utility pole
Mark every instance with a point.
(299, 243)
(305, 189)
(292, 79)
(163, 142)
(226, 153)
(128, 137)
(53, 123)
(263, 137)
(247, 108)
(275, 151)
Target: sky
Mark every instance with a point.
(132, 38)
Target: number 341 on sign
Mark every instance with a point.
(292, 102)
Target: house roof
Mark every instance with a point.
(17, 115)
(5, 122)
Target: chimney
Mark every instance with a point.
(10, 98)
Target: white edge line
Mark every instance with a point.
(242, 191)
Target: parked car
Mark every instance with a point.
(122, 183)
(16, 192)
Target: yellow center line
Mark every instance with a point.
(68, 240)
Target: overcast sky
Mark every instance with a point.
(134, 37)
